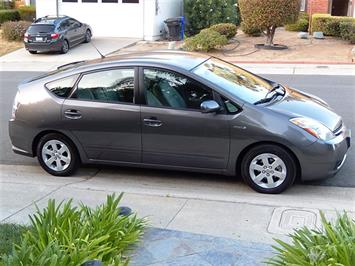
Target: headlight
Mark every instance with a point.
(313, 127)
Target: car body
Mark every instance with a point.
(180, 111)
(56, 34)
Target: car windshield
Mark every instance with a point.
(40, 28)
(233, 79)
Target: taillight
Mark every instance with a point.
(54, 35)
(15, 105)
(26, 36)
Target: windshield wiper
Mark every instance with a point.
(276, 90)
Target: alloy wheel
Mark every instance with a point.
(56, 155)
(267, 170)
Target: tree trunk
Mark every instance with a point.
(270, 33)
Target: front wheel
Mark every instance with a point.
(87, 36)
(65, 47)
(268, 169)
(57, 155)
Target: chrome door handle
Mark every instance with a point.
(152, 122)
(72, 114)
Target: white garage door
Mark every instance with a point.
(108, 18)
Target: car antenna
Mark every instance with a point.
(102, 56)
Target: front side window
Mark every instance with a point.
(62, 87)
(115, 85)
(168, 89)
(242, 84)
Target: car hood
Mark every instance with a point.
(300, 104)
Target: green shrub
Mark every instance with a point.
(347, 31)
(268, 15)
(9, 15)
(250, 30)
(27, 13)
(328, 24)
(67, 235)
(10, 235)
(300, 25)
(201, 14)
(206, 40)
(227, 29)
(14, 30)
(332, 245)
(303, 15)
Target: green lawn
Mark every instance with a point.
(10, 234)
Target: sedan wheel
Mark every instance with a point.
(87, 36)
(65, 47)
(268, 169)
(57, 155)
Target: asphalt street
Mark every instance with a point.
(338, 91)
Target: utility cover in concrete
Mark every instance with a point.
(285, 220)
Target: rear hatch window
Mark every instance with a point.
(38, 29)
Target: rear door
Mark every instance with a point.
(75, 31)
(174, 130)
(102, 114)
(40, 33)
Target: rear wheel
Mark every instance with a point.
(65, 47)
(268, 169)
(32, 52)
(57, 155)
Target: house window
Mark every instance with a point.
(69, 1)
(130, 1)
(89, 1)
(109, 1)
(303, 5)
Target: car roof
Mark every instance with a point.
(52, 20)
(171, 58)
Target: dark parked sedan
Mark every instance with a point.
(180, 111)
(49, 34)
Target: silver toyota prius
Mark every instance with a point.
(179, 111)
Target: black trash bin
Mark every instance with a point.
(174, 28)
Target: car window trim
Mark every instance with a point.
(75, 87)
(58, 79)
(142, 89)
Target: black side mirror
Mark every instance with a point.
(210, 106)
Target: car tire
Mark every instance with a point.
(87, 36)
(65, 47)
(268, 169)
(32, 52)
(57, 155)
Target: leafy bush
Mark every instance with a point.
(332, 245)
(201, 14)
(227, 29)
(268, 15)
(300, 25)
(14, 30)
(67, 235)
(9, 15)
(27, 13)
(328, 24)
(206, 40)
(250, 30)
(347, 31)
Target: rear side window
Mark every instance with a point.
(62, 87)
(116, 85)
(34, 29)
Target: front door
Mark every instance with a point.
(102, 114)
(174, 131)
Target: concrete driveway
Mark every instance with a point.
(83, 51)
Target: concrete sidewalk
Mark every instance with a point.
(22, 60)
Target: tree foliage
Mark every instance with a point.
(267, 15)
(201, 14)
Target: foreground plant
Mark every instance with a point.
(333, 245)
(66, 235)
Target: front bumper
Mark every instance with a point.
(44, 46)
(325, 159)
